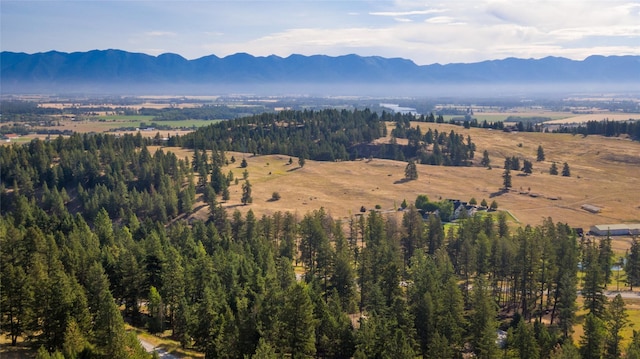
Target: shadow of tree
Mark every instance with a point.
(404, 180)
(499, 193)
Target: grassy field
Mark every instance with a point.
(604, 173)
(108, 123)
(502, 116)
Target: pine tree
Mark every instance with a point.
(566, 172)
(483, 321)
(616, 321)
(540, 156)
(523, 341)
(594, 284)
(264, 351)
(527, 167)
(592, 342)
(486, 161)
(506, 175)
(298, 323)
(633, 349)
(411, 171)
(109, 328)
(246, 193)
(553, 170)
(155, 308)
(632, 266)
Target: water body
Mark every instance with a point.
(398, 108)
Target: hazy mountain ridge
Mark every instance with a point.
(116, 67)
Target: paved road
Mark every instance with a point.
(161, 352)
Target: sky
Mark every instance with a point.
(427, 32)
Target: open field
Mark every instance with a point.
(108, 123)
(604, 173)
(595, 117)
(502, 116)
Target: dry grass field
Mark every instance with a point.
(604, 173)
(595, 117)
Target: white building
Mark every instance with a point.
(632, 229)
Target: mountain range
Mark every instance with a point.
(57, 71)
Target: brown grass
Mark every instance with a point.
(604, 173)
(595, 117)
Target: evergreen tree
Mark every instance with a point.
(565, 351)
(633, 349)
(246, 193)
(540, 155)
(594, 284)
(155, 307)
(553, 170)
(411, 171)
(522, 341)
(632, 266)
(109, 328)
(264, 351)
(483, 321)
(527, 167)
(605, 258)
(566, 172)
(486, 161)
(298, 323)
(616, 321)
(506, 175)
(592, 341)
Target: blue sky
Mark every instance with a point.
(424, 31)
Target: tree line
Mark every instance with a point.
(606, 128)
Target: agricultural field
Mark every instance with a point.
(113, 122)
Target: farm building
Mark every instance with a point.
(616, 229)
(591, 208)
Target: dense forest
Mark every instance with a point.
(91, 238)
(330, 135)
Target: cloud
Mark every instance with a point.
(424, 31)
(440, 20)
(160, 34)
(406, 13)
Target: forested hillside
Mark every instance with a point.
(91, 236)
(330, 135)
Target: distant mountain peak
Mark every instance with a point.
(114, 67)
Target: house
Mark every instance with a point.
(632, 229)
(460, 206)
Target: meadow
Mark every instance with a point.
(604, 173)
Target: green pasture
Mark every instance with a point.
(114, 121)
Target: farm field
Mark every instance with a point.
(109, 123)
